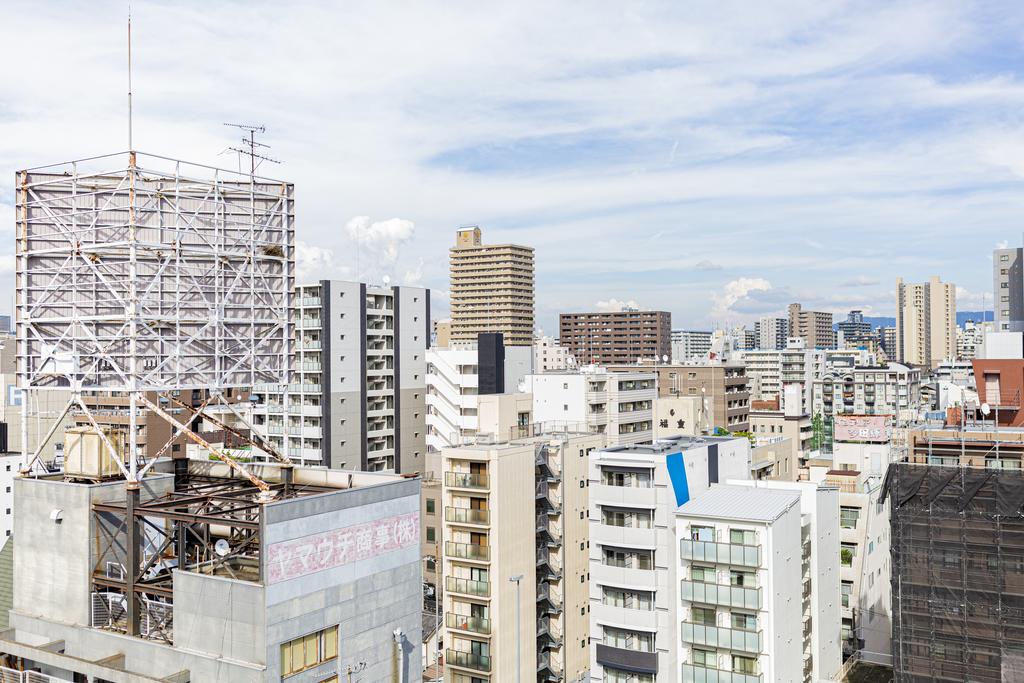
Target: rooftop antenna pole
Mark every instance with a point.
(250, 145)
(130, 147)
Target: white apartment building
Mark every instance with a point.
(858, 469)
(773, 370)
(619, 405)
(690, 345)
(893, 390)
(517, 508)
(925, 322)
(969, 339)
(453, 387)
(550, 356)
(772, 333)
(634, 594)
(759, 570)
(357, 396)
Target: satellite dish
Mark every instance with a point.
(387, 280)
(221, 547)
(664, 359)
(985, 409)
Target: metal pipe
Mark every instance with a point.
(516, 580)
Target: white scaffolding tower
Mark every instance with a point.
(140, 274)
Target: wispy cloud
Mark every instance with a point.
(811, 142)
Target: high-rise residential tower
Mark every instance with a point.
(491, 289)
(357, 399)
(772, 332)
(608, 337)
(925, 322)
(814, 326)
(1008, 288)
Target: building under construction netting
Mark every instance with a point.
(957, 573)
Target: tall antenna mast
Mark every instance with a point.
(251, 145)
(130, 147)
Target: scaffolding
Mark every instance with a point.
(142, 275)
(957, 538)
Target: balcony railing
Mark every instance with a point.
(468, 660)
(721, 553)
(466, 515)
(695, 673)
(468, 586)
(467, 551)
(463, 622)
(720, 636)
(466, 480)
(716, 594)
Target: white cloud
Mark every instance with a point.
(315, 263)
(861, 281)
(612, 305)
(739, 131)
(738, 292)
(378, 243)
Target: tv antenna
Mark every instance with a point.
(250, 146)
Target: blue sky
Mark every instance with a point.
(715, 159)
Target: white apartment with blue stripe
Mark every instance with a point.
(634, 586)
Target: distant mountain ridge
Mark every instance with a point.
(961, 318)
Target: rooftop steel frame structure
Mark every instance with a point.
(142, 274)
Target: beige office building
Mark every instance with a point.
(517, 509)
(815, 327)
(925, 322)
(491, 289)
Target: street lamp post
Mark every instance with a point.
(516, 580)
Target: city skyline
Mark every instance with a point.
(715, 164)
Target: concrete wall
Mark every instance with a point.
(220, 617)
(412, 332)
(343, 360)
(54, 564)
(368, 599)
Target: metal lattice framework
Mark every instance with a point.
(138, 273)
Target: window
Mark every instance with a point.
(848, 516)
(632, 519)
(704, 616)
(847, 552)
(702, 574)
(846, 589)
(620, 676)
(629, 640)
(744, 665)
(739, 578)
(742, 537)
(628, 599)
(705, 658)
(639, 479)
(628, 559)
(430, 506)
(309, 651)
(702, 533)
(431, 564)
(744, 622)
(431, 535)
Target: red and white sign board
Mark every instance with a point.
(309, 554)
(873, 428)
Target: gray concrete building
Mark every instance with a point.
(1008, 288)
(357, 398)
(204, 577)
